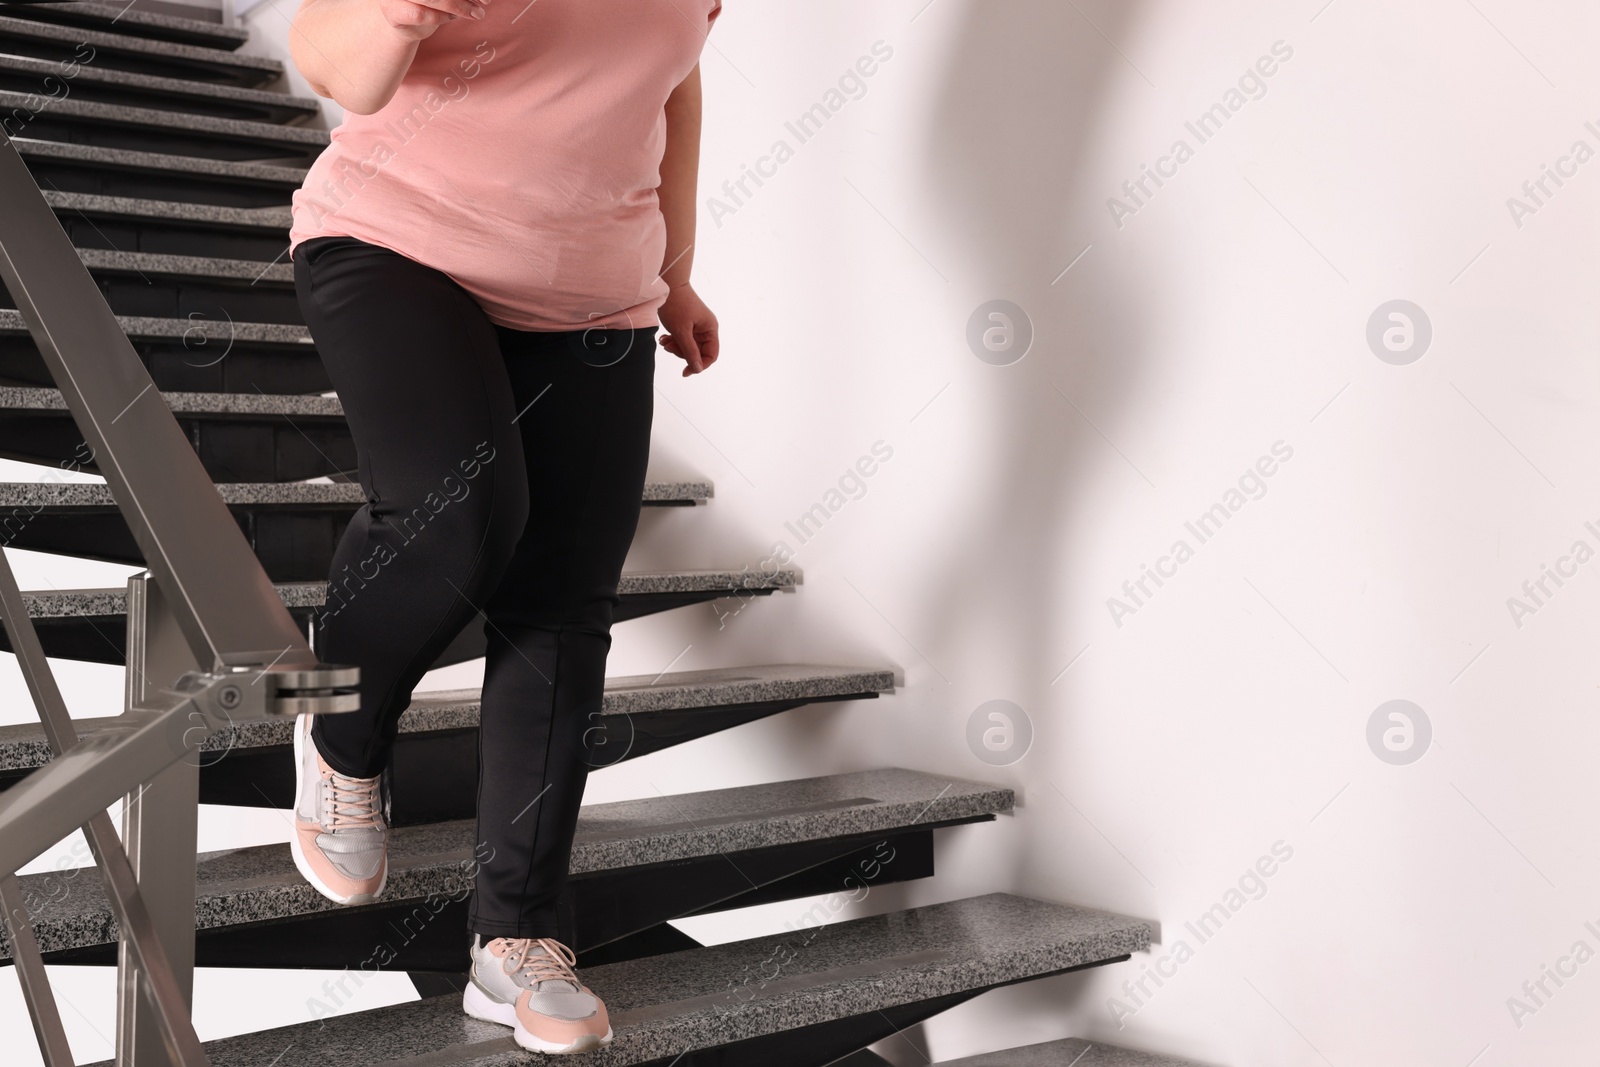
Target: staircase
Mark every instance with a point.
(169, 161)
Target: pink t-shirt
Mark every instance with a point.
(521, 157)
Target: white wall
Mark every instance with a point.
(269, 22)
(1230, 712)
(1228, 314)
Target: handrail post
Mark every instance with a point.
(157, 723)
(160, 825)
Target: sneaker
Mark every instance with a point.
(339, 833)
(528, 983)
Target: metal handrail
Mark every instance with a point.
(223, 600)
(211, 645)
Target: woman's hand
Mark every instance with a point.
(418, 19)
(691, 329)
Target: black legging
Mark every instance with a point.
(503, 472)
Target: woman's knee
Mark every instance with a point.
(469, 522)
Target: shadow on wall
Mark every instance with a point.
(1023, 101)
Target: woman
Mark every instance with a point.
(485, 253)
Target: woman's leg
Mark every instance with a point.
(419, 371)
(585, 423)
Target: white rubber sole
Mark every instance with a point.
(300, 862)
(480, 1005)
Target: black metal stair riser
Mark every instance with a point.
(197, 364)
(433, 777)
(113, 179)
(217, 300)
(47, 125)
(607, 916)
(864, 1058)
(295, 546)
(173, 237)
(102, 638)
(233, 448)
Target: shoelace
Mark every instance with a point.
(555, 963)
(352, 803)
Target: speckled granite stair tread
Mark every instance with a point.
(32, 148)
(96, 496)
(259, 884)
(135, 117)
(123, 43)
(1068, 1052)
(22, 746)
(125, 21)
(248, 271)
(34, 398)
(272, 220)
(60, 603)
(830, 972)
(304, 107)
(149, 328)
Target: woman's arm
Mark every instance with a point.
(357, 51)
(692, 328)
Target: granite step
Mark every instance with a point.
(75, 498)
(1069, 1052)
(28, 75)
(197, 355)
(122, 18)
(150, 285)
(249, 886)
(118, 261)
(645, 709)
(434, 773)
(169, 228)
(868, 974)
(61, 166)
(74, 46)
(119, 125)
(240, 437)
(90, 625)
(293, 527)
